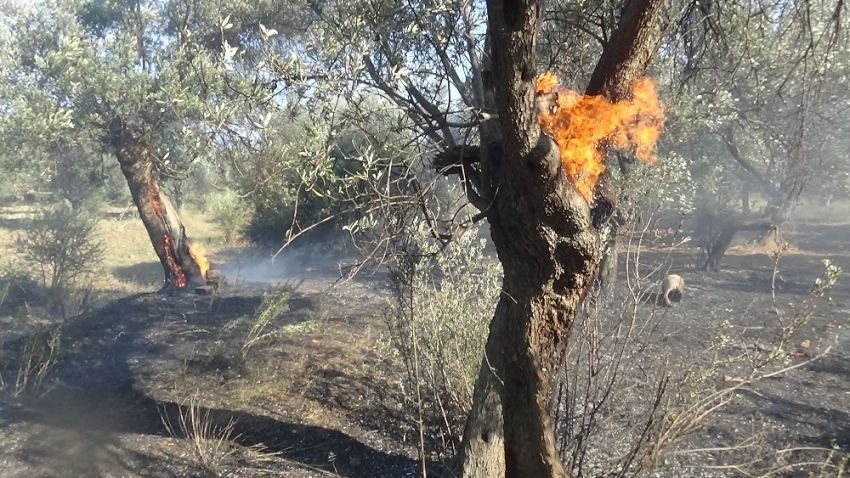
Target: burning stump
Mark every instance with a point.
(213, 278)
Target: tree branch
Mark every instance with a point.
(729, 140)
(419, 117)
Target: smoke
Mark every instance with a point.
(251, 270)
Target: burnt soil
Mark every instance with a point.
(323, 399)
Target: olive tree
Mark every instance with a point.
(760, 95)
(139, 81)
(462, 80)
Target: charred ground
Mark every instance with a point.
(323, 398)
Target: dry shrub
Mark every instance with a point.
(620, 402)
(38, 356)
(16, 286)
(208, 443)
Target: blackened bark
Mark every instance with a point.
(168, 236)
(546, 240)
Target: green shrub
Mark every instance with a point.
(39, 356)
(438, 323)
(275, 303)
(230, 213)
(60, 245)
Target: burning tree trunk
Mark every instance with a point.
(546, 236)
(183, 266)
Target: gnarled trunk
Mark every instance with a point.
(546, 238)
(769, 226)
(167, 234)
(548, 270)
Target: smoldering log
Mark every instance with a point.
(672, 290)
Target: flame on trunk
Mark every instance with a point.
(583, 126)
(176, 259)
(170, 253)
(180, 281)
(197, 253)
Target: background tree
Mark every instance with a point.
(760, 108)
(125, 78)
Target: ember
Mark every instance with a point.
(185, 262)
(172, 264)
(584, 125)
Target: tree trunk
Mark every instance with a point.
(607, 275)
(168, 236)
(745, 199)
(717, 249)
(548, 245)
(768, 225)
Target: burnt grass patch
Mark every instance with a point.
(129, 367)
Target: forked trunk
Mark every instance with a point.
(547, 273)
(167, 234)
(546, 237)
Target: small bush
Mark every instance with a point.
(275, 303)
(230, 213)
(60, 244)
(39, 355)
(438, 324)
(16, 286)
(208, 442)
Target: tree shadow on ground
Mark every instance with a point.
(143, 273)
(94, 400)
(94, 419)
(15, 223)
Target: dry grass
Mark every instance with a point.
(131, 266)
(209, 445)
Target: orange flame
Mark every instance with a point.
(172, 264)
(197, 253)
(583, 125)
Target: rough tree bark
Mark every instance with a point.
(546, 238)
(135, 154)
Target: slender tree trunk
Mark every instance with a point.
(608, 264)
(168, 236)
(546, 240)
(717, 249)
